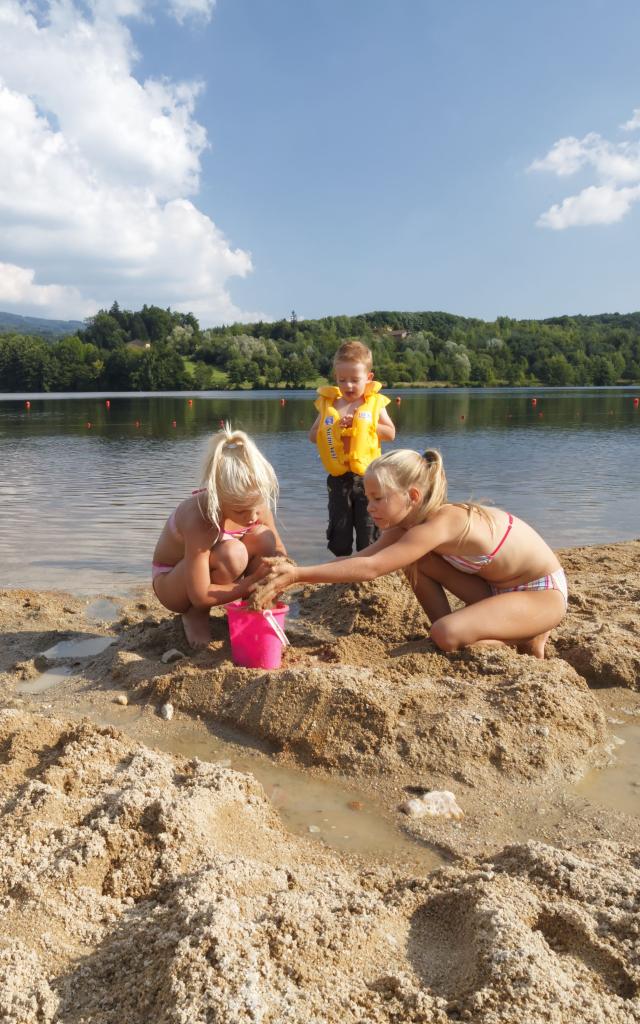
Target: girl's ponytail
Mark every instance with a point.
(235, 470)
(435, 481)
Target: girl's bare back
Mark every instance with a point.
(515, 552)
(188, 518)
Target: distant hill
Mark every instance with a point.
(39, 325)
(155, 349)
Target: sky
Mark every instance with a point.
(240, 159)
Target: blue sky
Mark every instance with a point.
(333, 157)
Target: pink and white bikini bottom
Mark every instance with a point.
(553, 581)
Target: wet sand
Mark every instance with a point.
(142, 884)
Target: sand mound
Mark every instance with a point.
(384, 608)
(32, 622)
(539, 934)
(375, 701)
(599, 636)
(137, 887)
(378, 699)
(468, 717)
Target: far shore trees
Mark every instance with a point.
(154, 349)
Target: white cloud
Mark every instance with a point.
(594, 205)
(97, 169)
(183, 9)
(633, 122)
(617, 170)
(17, 288)
(614, 163)
(565, 157)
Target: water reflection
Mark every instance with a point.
(83, 504)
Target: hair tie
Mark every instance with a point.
(429, 457)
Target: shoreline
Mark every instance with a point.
(116, 838)
(290, 392)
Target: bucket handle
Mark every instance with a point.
(276, 627)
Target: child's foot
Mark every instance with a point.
(535, 646)
(195, 623)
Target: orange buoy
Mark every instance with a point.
(27, 405)
(137, 424)
(283, 401)
(398, 400)
(636, 402)
(462, 417)
(534, 401)
(108, 404)
(88, 426)
(173, 423)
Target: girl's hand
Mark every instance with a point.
(267, 563)
(281, 576)
(258, 573)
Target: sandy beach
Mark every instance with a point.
(139, 884)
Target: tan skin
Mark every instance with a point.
(351, 377)
(208, 571)
(522, 618)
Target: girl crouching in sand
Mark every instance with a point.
(511, 582)
(210, 547)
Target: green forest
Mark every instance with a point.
(156, 349)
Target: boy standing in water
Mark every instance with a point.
(351, 423)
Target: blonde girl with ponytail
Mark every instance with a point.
(210, 547)
(509, 579)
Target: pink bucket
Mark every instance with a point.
(257, 638)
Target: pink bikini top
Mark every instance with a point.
(232, 534)
(474, 563)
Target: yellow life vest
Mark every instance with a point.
(365, 444)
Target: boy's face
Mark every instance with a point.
(351, 378)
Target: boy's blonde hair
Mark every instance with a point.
(234, 470)
(354, 351)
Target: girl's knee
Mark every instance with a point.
(444, 635)
(228, 561)
(261, 542)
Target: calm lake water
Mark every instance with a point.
(82, 506)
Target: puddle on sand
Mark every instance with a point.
(617, 786)
(102, 610)
(309, 806)
(84, 647)
(45, 680)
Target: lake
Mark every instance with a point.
(86, 488)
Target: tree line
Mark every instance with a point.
(156, 349)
